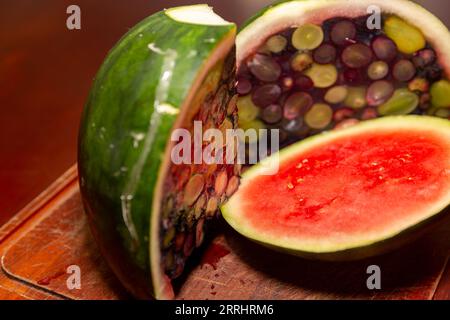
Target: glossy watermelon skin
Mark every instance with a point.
(125, 128)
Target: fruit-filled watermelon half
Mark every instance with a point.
(147, 213)
(350, 193)
(302, 67)
(310, 66)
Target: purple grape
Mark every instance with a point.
(379, 92)
(325, 53)
(384, 48)
(424, 58)
(369, 113)
(428, 55)
(304, 83)
(404, 70)
(296, 105)
(357, 55)
(284, 61)
(264, 68)
(424, 102)
(266, 95)
(433, 72)
(243, 86)
(343, 113)
(272, 114)
(352, 76)
(343, 32)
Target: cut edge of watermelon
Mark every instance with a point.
(163, 289)
(201, 14)
(231, 211)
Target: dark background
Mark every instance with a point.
(46, 71)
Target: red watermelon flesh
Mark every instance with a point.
(348, 189)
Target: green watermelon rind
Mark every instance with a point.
(138, 97)
(349, 251)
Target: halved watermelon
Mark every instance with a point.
(177, 66)
(350, 193)
(146, 213)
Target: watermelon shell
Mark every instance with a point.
(351, 193)
(140, 94)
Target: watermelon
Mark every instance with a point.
(350, 193)
(173, 68)
(303, 67)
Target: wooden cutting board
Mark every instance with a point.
(51, 233)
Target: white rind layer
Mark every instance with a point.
(197, 14)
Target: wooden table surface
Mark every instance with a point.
(45, 74)
(50, 235)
